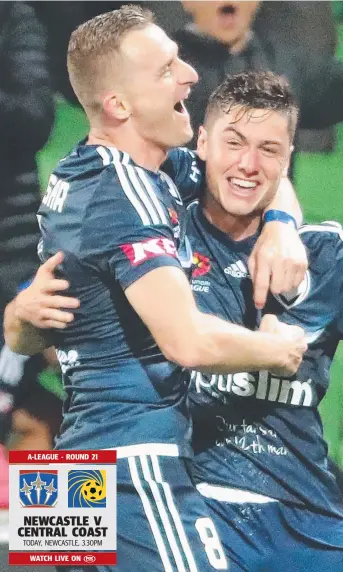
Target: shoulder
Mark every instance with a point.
(182, 161)
(192, 210)
(324, 243)
(126, 203)
(328, 231)
(94, 194)
(75, 181)
(187, 171)
(105, 182)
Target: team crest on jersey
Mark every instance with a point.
(201, 265)
(296, 296)
(38, 488)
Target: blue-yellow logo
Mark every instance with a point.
(86, 489)
(38, 488)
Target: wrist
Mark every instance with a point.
(274, 215)
(270, 351)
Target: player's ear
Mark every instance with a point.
(202, 143)
(286, 167)
(116, 107)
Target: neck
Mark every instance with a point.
(237, 227)
(146, 154)
(241, 43)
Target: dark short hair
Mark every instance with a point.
(96, 41)
(254, 90)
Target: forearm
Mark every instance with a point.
(22, 337)
(222, 348)
(196, 340)
(286, 200)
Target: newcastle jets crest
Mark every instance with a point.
(38, 489)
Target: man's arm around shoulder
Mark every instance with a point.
(22, 337)
(164, 301)
(31, 315)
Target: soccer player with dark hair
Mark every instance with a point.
(260, 457)
(119, 222)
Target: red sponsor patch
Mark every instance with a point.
(139, 252)
(201, 265)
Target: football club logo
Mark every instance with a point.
(86, 489)
(296, 296)
(38, 489)
(201, 265)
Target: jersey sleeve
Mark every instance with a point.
(325, 247)
(126, 232)
(187, 171)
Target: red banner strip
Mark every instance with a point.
(62, 558)
(43, 457)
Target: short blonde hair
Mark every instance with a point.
(92, 47)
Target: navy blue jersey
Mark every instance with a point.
(187, 171)
(114, 221)
(259, 432)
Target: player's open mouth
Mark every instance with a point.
(227, 13)
(242, 187)
(180, 107)
(227, 10)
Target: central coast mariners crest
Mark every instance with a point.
(296, 296)
(86, 488)
(38, 489)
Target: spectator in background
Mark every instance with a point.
(220, 40)
(59, 20)
(26, 119)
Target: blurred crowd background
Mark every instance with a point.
(40, 121)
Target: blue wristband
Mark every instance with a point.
(279, 216)
(24, 285)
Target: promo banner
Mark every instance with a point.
(62, 508)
